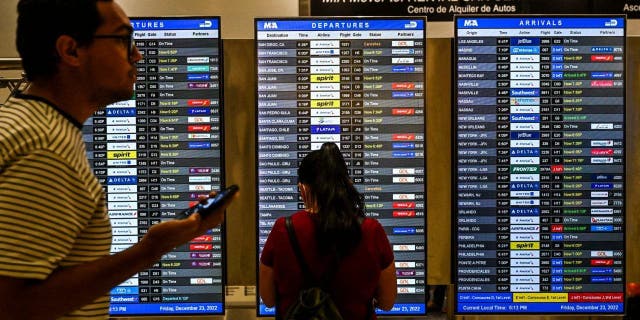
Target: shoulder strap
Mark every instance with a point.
(308, 278)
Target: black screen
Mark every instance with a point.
(539, 164)
(360, 83)
(156, 153)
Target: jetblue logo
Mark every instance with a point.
(270, 25)
(471, 23)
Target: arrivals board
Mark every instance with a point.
(539, 160)
(156, 153)
(360, 83)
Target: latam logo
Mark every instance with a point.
(270, 25)
(470, 23)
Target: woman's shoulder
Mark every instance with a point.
(371, 227)
(297, 218)
(371, 223)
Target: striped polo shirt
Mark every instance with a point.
(52, 207)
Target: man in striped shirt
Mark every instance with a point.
(55, 235)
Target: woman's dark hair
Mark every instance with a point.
(42, 22)
(339, 204)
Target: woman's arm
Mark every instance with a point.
(268, 285)
(387, 288)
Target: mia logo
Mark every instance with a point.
(270, 25)
(471, 23)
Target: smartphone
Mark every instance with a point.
(211, 205)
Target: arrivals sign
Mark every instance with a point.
(539, 164)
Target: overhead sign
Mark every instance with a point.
(444, 10)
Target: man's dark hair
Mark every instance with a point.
(42, 22)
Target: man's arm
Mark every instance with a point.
(68, 289)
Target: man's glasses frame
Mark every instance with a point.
(126, 39)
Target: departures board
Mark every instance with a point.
(539, 164)
(358, 82)
(156, 153)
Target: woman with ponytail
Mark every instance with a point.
(335, 238)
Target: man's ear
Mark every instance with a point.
(67, 49)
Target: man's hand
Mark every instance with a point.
(163, 237)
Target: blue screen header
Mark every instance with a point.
(211, 23)
(538, 22)
(338, 25)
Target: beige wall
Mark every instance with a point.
(236, 15)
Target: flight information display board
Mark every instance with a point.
(156, 153)
(539, 162)
(360, 83)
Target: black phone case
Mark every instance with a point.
(211, 205)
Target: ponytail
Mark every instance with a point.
(339, 204)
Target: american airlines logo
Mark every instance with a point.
(270, 25)
(611, 23)
(471, 23)
(411, 25)
(206, 24)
